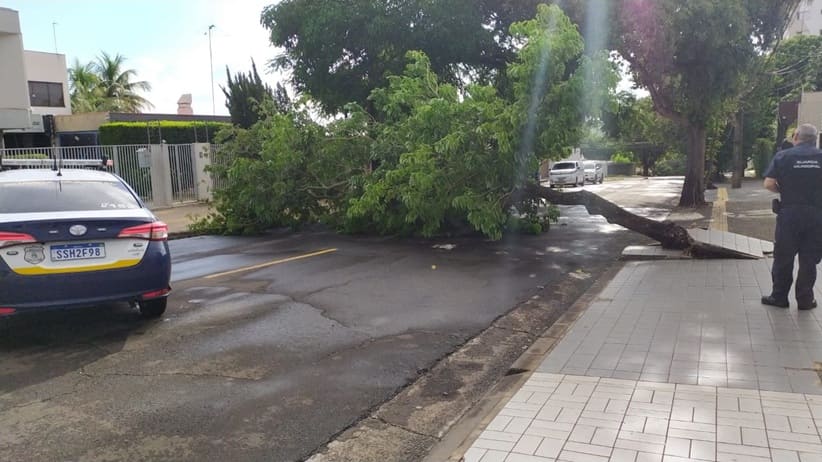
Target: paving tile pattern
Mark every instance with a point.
(694, 322)
(674, 361)
(556, 417)
(738, 242)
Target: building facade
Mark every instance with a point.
(34, 88)
(14, 106)
(807, 20)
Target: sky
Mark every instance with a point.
(165, 41)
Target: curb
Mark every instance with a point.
(434, 415)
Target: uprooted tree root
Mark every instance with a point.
(669, 234)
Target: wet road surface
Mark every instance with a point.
(271, 345)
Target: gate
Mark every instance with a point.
(183, 174)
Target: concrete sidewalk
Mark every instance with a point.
(673, 361)
(181, 217)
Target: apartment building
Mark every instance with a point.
(807, 20)
(34, 85)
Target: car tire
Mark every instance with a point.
(153, 308)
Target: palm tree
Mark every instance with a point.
(84, 88)
(119, 90)
(103, 85)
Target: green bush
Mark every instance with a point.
(762, 155)
(173, 132)
(623, 158)
(26, 155)
(671, 163)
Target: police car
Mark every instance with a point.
(77, 237)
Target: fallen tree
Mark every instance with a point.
(434, 159)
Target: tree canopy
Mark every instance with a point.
(692, 57)
(246, 93)
(339, 51)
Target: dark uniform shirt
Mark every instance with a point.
(798, 171)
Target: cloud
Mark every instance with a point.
(183, 67)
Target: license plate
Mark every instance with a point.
(68, 252)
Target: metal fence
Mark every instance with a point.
(180, 176)
(69, 157)
(133, 164)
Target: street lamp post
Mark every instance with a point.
(211, 67)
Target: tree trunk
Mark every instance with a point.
(738, 160)
(667, 233)
(693, 191)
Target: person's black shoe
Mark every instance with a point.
(769, 300)
(807, 306)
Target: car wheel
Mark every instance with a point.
(153, 308)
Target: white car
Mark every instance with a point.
(593, 172)
(568, 172)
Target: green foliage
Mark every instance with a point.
(797, 65)
(103, 85)
(694, 58)
(246, 93)
(623, 158)
(428, 157)
(762, 154)
(338, 52)
(295, 172)
(155, 132)
(25, 155)
(672, 163)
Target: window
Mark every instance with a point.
(46, 94)
(64, 196)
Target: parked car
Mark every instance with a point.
(594, 173)
(79, 238)
(567, 172)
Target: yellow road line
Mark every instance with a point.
(719, 219)
(271, 263)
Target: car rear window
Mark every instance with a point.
(564, 166)
(64, 196)
(590, 164)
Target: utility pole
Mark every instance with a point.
(54, 33)
(211, 67)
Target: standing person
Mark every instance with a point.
(796, 174)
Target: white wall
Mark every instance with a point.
(807, 20)
(14, 100)
(810, 109)
(48, 67)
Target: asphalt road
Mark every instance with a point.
(272, 345)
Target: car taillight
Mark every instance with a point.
(157, 231)
(9, 239)
(7, 311)
(155, 294)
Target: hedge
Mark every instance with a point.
(155, 132)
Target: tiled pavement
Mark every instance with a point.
(675, 360)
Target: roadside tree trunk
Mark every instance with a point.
(693, 191)
(738, 159)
